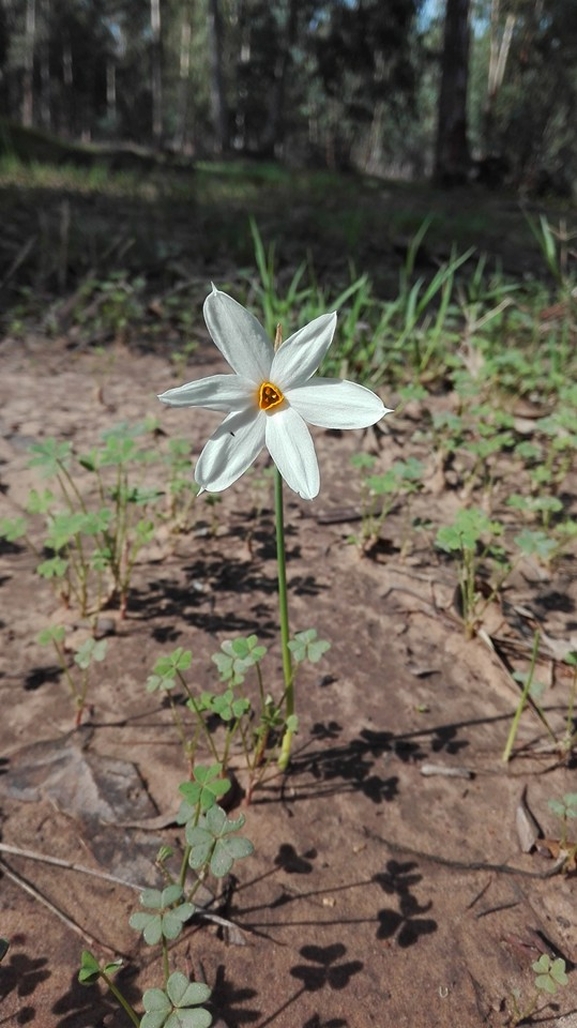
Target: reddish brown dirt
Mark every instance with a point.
(377, 895)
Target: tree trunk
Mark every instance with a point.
(111, 109)
(183, 81)
(500, 44)
(28, 84)
(156, 76)
(274, 130)
(67, 117)
(452, 157)
(217, 97)
(45, 98)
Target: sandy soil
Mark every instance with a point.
(377, 894)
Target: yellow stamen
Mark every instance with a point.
(269, 396)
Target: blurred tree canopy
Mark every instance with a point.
(398, 87)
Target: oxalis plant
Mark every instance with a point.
(269, 400)
(550, 976)
(211, 847)
(91, 543)
(248, 723)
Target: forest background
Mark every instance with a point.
(465, 89)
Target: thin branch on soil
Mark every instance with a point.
(464, 865)
(32, 855)
(58, 862)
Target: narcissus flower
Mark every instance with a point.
(270, 398)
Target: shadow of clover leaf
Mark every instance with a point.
(398, 877)
(24, 974)
(290, 861)
(325, 970)
(406, 922)
(227, 998)
(326, 730)
(445, 738)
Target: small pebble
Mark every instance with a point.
(448, 772)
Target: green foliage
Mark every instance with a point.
(550, 974)
(306, 646)
(94, 534)
(554, 246)
(471, 539)
(466, 531)
(236, 657)
(231, 714)
(381, 493)
(51, 457)
(90, 970)
(565, 808)
(167, 668)
(13, 529)
(165, 914)
(213, 844)
(532, 691)
(226, 706)
(89, 652)
(536, 543)
(178, 1005)
(202, 793)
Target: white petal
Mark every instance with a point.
(300, 355)
(290, 445)
(329, 403)
(239, 336)
(232, 449)
(217, 392)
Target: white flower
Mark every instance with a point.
(270, 398)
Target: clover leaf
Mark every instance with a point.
(89, 651)
(178, 1005)
(12, 529)
(550, 973)
(51, 456)
(90, 970)
(165, 915)
(165, 670)
(211, 842)
(306, 646)
(224, 706)
(236, 657)
(206, 788)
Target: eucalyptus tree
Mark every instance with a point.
(452, 156)
(530, 71)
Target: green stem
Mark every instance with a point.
(287, 665)
(184, 867)
(200, 719)
(571, 706)
(120, 998)
(522, 701)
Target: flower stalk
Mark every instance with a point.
(287, 664)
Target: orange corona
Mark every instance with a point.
(269, 396)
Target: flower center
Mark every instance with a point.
(269, 396)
